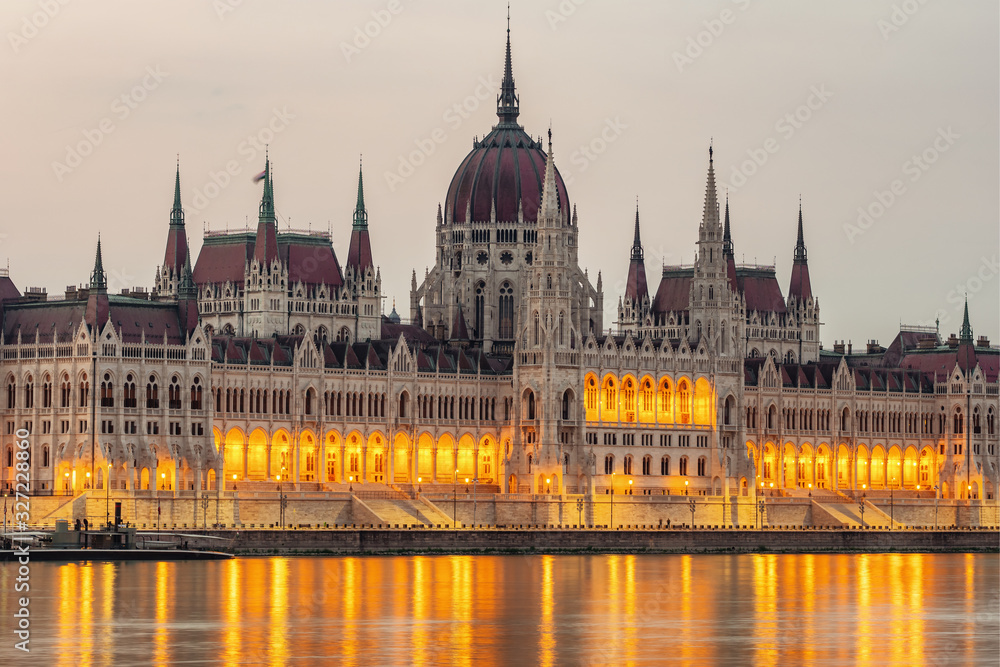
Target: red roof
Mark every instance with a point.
(800, 286)
(223, 259)
(177, 249)
(359, 255)
(8, 290)
(506, 168)
(635, 289)
(760, 289)
(310, 259)
(131, 318)
(674, 292)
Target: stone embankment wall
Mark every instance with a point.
(374, 541)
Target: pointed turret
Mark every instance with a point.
(98, 279)
(508, 101)
(965, 335)
(729, 253)
(98, 306)
(710, 216)
(359, 255)
(635, 289)
(177, 247)
(800, 287)
(187, 299)
(266, 246)
(459, 329)
(549, 213)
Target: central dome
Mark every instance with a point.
(504, 171)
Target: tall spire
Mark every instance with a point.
(359, 254)
(177, 247)
(266, 246)
(98, 279)
(508, 101)
(711, 212)
(360, 214)
(800, 287)
(636, 289)
(965, 336)
(177, 213)
(636, 243)
(727, 237)
(800, 244)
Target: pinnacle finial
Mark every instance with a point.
(507, 100)
(727, 238)
(800, 243)
(965, 336)
(177, 213)
(98, 279)
(637, 253)
(360, 214)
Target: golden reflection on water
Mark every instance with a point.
(164, 587)
(233, 600)
(765, 609)
(546, 626)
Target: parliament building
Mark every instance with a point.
(265, 360)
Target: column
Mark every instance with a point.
(434, 467)
(342, 463)
(390, 464)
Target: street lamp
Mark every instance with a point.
(87, 483)
(686, 487)
(691, 505)
(419, 482)
(67, 483)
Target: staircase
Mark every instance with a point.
(74, 508)
(405, 512)
(849, 514)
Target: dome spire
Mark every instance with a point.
(508, 101)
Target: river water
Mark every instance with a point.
(865, 609)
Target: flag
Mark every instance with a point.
(259, 177)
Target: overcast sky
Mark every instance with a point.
(882, 115)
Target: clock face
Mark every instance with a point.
(482, 257)
(506, 257)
